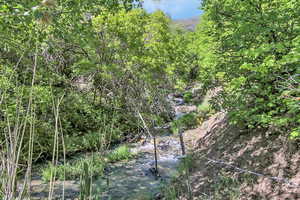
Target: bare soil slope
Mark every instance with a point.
(230, 163)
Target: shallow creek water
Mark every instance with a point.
(127, 180)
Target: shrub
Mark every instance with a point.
(248, 49)
(187, 97)
(185, 122)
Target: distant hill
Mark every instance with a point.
(189, 24)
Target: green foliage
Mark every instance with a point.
(295, 134)
(204, 107)
(185, 122)
(177, 187)
(73, 170)
(74, 75)
(120, 153)
(193, 119)
(187, 97)
(186, 164)
(85, 183)
(205, 110)
(226, 187)
(250, 48)
(96, 163)
(104, 58)
(170, 192)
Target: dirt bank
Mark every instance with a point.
(231, 163)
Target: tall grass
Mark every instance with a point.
(73, 170)
(17, 147)
(17, 126)
(55, 157)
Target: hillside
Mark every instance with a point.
(188, 24)
(232, 163)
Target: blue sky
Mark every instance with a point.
(177, 9)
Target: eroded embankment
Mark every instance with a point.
(231, 163)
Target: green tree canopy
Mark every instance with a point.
(250, 48)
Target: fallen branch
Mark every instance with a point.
(154, 142)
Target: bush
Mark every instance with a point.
(249, 50)
(187, 97)
(185, 122)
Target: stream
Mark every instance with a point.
(132, 179)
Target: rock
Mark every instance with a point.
(158, 196)
(178, 101)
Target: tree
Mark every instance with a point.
(250, 49)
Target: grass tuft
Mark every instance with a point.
(96, 165)
(120, 153)
(73, 170)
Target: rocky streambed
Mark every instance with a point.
(134, 179)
